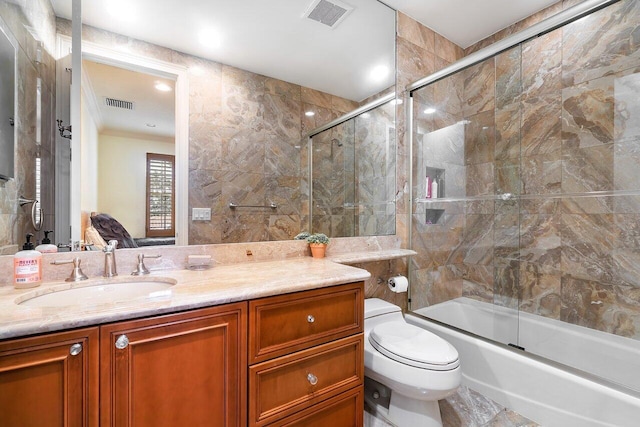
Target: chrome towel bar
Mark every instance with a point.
(271, 206)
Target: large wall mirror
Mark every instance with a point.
(7, 104)
(257, 77)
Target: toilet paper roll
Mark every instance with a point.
(398, 284)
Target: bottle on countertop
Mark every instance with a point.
(27, 266)
(45, 246)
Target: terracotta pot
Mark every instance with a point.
(317, 249)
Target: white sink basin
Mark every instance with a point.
(98, 292)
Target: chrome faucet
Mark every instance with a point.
(110, 269)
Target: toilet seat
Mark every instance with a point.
(413, 346)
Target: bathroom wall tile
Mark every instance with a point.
(445, 283)
(626, 126)
(507, 131)
(479, 240)
(506, 236)
(541, 130)
(540, 293)
(478, 283)
(315, 97)
(608, 35)
(479, 88)
(447, 50)
(283, 227)
(588, 113)
(507, 177)
(282, 88)
(280, 155)
(414, 62)
(343, 105)
(282, 117)
(506, 283)
(416, 33)
(608, 308)
(587, 243)
(542, 65)
(508, 82)
(626, 266)
(284, 191)
(241, 227)
(588, 169)
(479, 138)
(540, 241)
(242, 149)
(376, 285)
(480, 179)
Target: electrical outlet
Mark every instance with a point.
(201, 214)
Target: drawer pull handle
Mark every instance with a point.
(122, 342)
(75, 349)
(310, 318)
(313, 380)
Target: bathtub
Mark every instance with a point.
(547, 393)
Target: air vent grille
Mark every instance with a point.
(329, 13)
(118, 103)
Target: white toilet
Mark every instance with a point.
(407, 369)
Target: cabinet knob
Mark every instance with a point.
(310, 318)
(122, 342)
(75, 349)
(313, 380)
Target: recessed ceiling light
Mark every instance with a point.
(150, 125)
(163, 87)
(379, 73)
(309, 114)
(430, 110)
(210, 38)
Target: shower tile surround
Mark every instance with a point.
(541, 119)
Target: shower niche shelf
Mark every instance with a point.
(432, 216)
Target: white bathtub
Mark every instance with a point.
(545, 393)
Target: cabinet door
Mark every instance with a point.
(50, 380)
(186, 369)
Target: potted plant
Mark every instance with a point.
(302, 236)
(318, 244)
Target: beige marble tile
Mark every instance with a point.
(416, 33)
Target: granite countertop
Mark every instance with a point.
(194, 289)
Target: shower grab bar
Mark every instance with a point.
(510, 196)
(271, 206)
(355, 205)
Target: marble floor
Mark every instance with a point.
(466, 408)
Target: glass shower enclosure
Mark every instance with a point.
(526, 191)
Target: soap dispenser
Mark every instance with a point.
(27, 266)
(46, 247)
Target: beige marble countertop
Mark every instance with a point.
(371, 256)
(194, 289)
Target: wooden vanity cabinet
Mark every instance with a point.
(50, 380)
(186, 369)
(306, 356)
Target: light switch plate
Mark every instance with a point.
(201, 214)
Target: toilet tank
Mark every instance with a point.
(374, 307)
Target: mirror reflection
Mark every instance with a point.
(250, 101)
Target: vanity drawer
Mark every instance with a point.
(286, 323)
(286, 385)
(344, 410)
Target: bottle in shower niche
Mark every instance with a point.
(434, 189)
(428, 187)
(27, 266)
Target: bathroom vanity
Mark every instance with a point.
(267, 352)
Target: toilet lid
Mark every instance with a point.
(414, 346)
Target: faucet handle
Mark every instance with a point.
(111, 246)
(141, 268)
(76, 274)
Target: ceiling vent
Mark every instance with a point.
(118, 103)
(329, 13)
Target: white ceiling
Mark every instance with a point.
(466, 22)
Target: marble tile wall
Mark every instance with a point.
(354, 176)
(32, 25)
(554, 116)
(245, 144)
